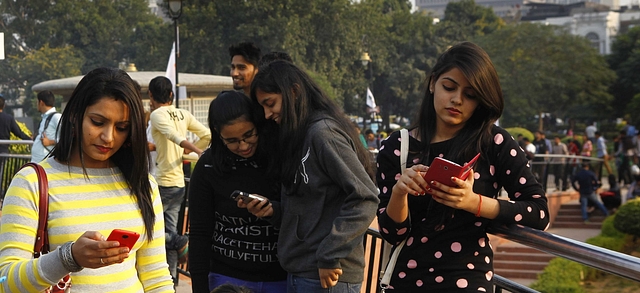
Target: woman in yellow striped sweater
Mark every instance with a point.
(98, 181)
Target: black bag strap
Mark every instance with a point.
(46, 122)
(41, 245)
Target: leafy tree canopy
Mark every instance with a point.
(539, 74)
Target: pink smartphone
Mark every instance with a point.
(441, 170)
(125, 237)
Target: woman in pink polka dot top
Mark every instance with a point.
(447, 248)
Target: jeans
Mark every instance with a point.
(585, 198)
(304, 285)
(172, 198)
(216, 280)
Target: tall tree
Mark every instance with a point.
(102, 32)
(625, 61)
(465, 19)
(539, 74)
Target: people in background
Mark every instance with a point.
(586, 182)
(558, 163)
(611, 198)
(360, 135)
(373, 143)
(169, 127)
(539, 165)
(8, 125)
(47, 131)
(601, 153)
(244, 65)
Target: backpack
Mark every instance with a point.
(46, 122)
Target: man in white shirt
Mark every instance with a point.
(591, 132)
(529, 148)
(47, 131)
(169, 127)
(558, 164)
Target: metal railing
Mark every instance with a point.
(10, 163)
(542, 166)
(596, 257)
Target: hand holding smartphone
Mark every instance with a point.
(441, 170)
(246, 197)
(125, 237)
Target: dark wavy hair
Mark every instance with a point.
(161, 89)
(248, 50)
(133, 161)
(476, 66)
(302, 99)
(230, 107)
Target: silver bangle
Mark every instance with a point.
(65, 254)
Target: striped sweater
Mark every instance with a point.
(102, 202)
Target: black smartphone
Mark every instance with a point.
(246, 197)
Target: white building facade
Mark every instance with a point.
(600, 28)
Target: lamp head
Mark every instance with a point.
(175, 8)
(365, 59)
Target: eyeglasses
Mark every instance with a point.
(234, 143)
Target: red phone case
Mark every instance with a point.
(125, 237)
(441, 170)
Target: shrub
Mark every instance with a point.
(611, 243)
(20, 148)
(563, 275)
(560, 276)
(609, 230)
(627, 218)
(514, 131)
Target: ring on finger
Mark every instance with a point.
(101, 261)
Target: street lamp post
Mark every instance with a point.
(366, 60)
(175, 10)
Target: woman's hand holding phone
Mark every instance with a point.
(460, 196)
(92, 250)
(256, 204)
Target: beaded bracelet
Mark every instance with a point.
(65, 254)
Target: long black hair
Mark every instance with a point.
(476, 66)
(230, 107)
(133, 157)
(302, 99)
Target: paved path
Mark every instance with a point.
(184, 285)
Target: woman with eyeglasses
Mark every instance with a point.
(229, 244)
(447, 248)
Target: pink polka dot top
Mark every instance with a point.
(448, 250)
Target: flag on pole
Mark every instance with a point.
(371, 101)
(171, 68)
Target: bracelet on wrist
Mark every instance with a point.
(479, 205)
(65, 254)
